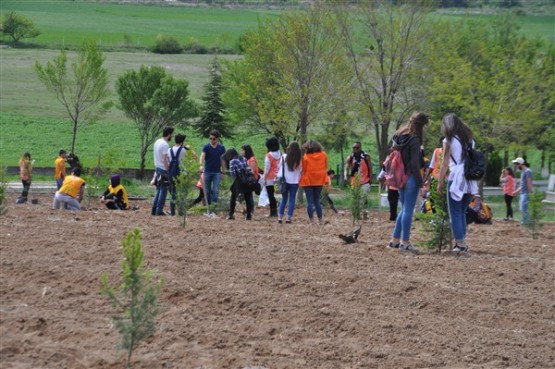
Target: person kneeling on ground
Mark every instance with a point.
(71, 192)
(115, 197)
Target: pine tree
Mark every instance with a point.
(213, 109)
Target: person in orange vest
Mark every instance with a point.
(313, 178)
(359, 162)
(71, 192)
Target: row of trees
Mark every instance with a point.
(343, 70)
(334, 72)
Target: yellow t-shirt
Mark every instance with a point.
(60, 168)
(71, 186)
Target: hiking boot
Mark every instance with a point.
(407, 247)
(280, 221)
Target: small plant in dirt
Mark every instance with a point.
(92, 189)
(137, 298)
(435, 220)
(535, 213)
(185, 185)
(357, 200)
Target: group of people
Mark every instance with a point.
(447, 166)
(306, 166)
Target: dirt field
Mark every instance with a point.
(261, 295)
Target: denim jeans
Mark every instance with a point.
(288, 198)
(59, 182)
(407, 196)
(523, 207)
(212, 186)
(68, 202)
(313, 194)
(161, 192)
(457, 214)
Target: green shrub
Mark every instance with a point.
(137, 299)
(166, 45)
(535, 214)
(357, 200)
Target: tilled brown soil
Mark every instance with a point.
(258, 294)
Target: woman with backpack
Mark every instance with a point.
(458, 137)
(408, 140)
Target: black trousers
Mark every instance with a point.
(235, 190)
(273, 202)
(393, 199)
(509, 202)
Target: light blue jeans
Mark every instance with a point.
(523, 207)
(457, 215)
(288, 198)
(407, 196)
(161, 193)
(212, 186)
(313, 194)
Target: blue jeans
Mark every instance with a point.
(211, 186)
(313, 194)
(161, 192)
(523, 207)
(288, 198)
(457, 215)
(407, 196)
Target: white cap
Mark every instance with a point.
(518, 160)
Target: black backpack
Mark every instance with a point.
(174, 169)
(246, 180)
(474, 163)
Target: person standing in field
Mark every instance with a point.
(359, 162)
(161, 163)
(71, 193)
(211, 167)
(271, 164)
(408, 140)
(313, 178)
(507, 180)
(177, 152)
(25, 174)
(290, 168)
(525, 188)
(60, 168)
(460, 191)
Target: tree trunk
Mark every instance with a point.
(74, 137)
(142, 165)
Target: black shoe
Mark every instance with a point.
(231, 217)
(393, 246)
(162, 214)
(288, 221)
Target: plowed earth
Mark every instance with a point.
(259, 295)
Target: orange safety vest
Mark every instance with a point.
(71, 186)
(274, 166)
(315, 169)
(438, 158)
(364, 171)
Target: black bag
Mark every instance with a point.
(474, 163)
(246, 180)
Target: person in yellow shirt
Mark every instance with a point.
(60, 169)
(71, 192)
(115, 197)
(313, 177)
(25, 173)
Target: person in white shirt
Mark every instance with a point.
(290, 168)
(161, 163)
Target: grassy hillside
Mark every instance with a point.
(64, 22)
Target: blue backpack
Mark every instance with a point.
(174, 169)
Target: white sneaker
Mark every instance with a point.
(408, 247)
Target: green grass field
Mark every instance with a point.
(31, 119)
(65, 22)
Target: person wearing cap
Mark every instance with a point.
(115, 197)
(71, 193)
(526, 187)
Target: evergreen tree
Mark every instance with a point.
(213, 109)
